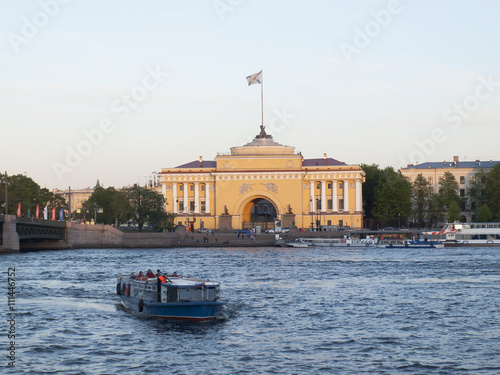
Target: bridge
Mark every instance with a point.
(15, 231)
(39, 230)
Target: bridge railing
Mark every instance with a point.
(52, 223)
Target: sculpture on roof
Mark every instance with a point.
(263, 134)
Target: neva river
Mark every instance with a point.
(289, 311)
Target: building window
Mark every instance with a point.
(341, 203)
(181, 187)
(191, 206)
(203, 206)
(429, 179)
(181, 206)
(330, 204)
(462, 180)
(341, 185)
(462, 193)
(472, 179)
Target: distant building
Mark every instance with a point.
(463, 171)
(262, 181)
(76, 197)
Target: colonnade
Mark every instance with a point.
(358, 200)
(185, 197)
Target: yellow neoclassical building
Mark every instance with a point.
(262, 181)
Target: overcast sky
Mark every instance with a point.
(119, 89)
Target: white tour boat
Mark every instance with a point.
(468, 234)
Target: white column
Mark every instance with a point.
(346, 195)
(164, 192)
(196, 198)
(323, 196)
(207, 197)
(174, 196)
(186, 199)
(359, 195)
(334, 196)
(312, 204)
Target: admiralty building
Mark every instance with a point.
(260, 182)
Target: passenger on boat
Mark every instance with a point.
(132, 275)
(159, 272)
(160, 277)
(174, 274)
(139, 276)
(150, 274)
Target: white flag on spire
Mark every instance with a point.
(255, 78)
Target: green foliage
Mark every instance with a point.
(114, 204)
(453, 212)
(493, 189)
(392, 196)
(422, 194)
(484, 214)
(448, 191)
(372, 178)
(149, 207)
(477, 188)
(22, 189)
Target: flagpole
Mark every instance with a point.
(262, 95)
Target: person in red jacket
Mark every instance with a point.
(150, 274)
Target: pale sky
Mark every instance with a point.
(119, 89)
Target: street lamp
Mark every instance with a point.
(6, 181)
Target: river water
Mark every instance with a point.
(289, 311)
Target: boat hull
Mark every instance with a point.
(192, 311)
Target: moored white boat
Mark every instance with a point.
(336, 242)
(178, 298)
(415, 244)
(468, 234)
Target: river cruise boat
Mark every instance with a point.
(468, 234)
(415, 244)
(331, 242)
(179, 298)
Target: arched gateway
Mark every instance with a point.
(259, 182)
(258, 211)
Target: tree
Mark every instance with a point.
(493, 189)
(149, 207)
(477, 189)
(372, 178)
(393, 197)
(114, 204)
(448, 191)
(434, 209)
(22, 189)
(484, 214)
(421, 194)
(453, 212)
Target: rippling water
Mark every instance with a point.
(289, 311)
